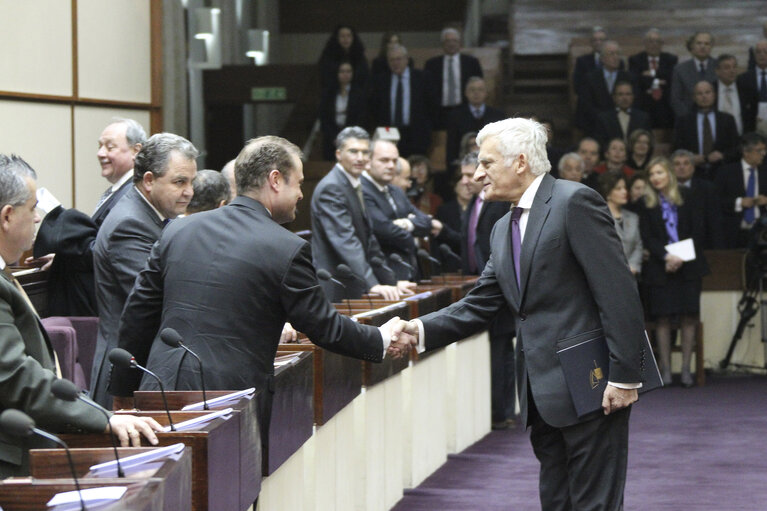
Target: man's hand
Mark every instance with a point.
(289, 333)
(43, 262)
(715, 156)
(405, 287)
(614, 398)
(401, 337)
(747, 202)
(761, 200)
(403, 223)
(129, 429)
(390, 293)
(673, 263)
(436, 227)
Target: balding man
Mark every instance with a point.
(211, 191)
(653, 68)
(449, 74)
(753, 89)
(70, 234)
(400, 98)
(470, 116)
(402, 175)
(701, 67)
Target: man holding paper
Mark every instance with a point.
(557, 262)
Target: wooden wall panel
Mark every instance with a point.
(114, 50)
(36, 47)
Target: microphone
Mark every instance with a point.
(449, 254)
(173, 339)
(346, 273)
(125, 360)
(397, 259)
(434, 261)
(67, 391)
(19, 424)
(323, 274)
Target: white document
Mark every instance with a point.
(196, 423)
(46, 201)
(93, 498)
(223, 400)
(762, 110)
(685, 249)
(109, 469)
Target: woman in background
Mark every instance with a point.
(613, 189)
(615, 159)
(341, 106)
(640, 149)
(343, 45)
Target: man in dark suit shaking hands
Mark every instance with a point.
(557, 262)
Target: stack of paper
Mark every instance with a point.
(223, 400)
(198, 422)
(136, 462)
(94, 498)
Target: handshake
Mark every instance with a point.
(403, 336)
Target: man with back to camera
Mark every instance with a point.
(557, 262)
(161, 191)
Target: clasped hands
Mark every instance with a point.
(403, 336)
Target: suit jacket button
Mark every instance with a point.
(522, 316)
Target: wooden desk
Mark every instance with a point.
(23, 494)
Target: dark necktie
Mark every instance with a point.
(398, 100)
(516, 241)
(763, 87)
(391, 201)
(708, 136)
(358, 191)
(702, 70)
(748, 213)
(103, 199)
(451, 85)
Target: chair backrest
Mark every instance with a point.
(64, 341)
(75, 337)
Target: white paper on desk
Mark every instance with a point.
(93, 498)
(109, 469)
(196, 423)
(222, 400)
(762, 110)
(285, 361)
(685, 249)
(46, 200)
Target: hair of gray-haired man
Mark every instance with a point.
(259, 157)
(571, 157)
(449, 30)
(134, 132)
(351, 132)
(470, 159)
(14, 172)
(515, 136)
(228, 173)
(155, 154)
(211, 189)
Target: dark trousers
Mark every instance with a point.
(502, 386)
(583, 467)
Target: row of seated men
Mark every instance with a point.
(664, 89)
(219, 277)
(448, 94)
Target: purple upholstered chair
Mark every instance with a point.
(74, 340)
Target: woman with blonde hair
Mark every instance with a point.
(674, 285)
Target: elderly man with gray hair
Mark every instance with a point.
(211, 191)
(162, 188)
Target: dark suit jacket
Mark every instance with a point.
(569, 229)
(415, 137)
(583, 66)
(356, 115)
(228, 294)
(659, 110)
(730, 185)
(704, 201)
(343, 234)
(725, 141)
(394, 239)
(683, 80)
(655, 238)
(70, 234)
(121, 249)
(749, 99)
(450, 214)
(462, 121)
(434, 66)
(27, 370)
(594, 97)
(490, 213)
(608, 127)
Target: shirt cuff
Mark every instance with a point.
(739, 204)
(421, 337)
(410, 227)
(625, 386)
(385, 339)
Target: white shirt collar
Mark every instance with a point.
(367, 176)
(159, 215)
(124, 179)
(354, 181)
(2, 264)
(526, 201)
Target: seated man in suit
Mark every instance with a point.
(598, 86)
(571, 167)
(728, 96)
(396, 222)
(70, 234)
(28, 364)
(448, 75)
(742, 190)
(711, 135)
(162, 187)
(589, 151)
(704, 196)
(400, 98)
(342, 231)
(622, 120)
(688, 73)
(753, 88)
(211, 191)
(653, 69)
(469, 117)
(591, 61)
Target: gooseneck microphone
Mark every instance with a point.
(434, 261)
(19, 424)
(324, 274)
(397, 259)
(173, 339)
(125, 360)
(449, 254)
(346, 273)
(67, 391)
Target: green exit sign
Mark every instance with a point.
(268, 94)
